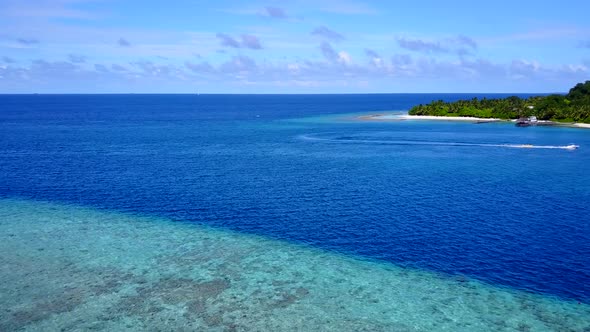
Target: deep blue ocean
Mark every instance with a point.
(438, 196)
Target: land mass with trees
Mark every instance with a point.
(572, 107)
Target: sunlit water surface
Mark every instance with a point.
(286, 213)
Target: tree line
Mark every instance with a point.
(572, 107)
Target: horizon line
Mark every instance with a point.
(262, 94)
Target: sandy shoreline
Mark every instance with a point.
(447, 118)
(397, 117)
(402, 117)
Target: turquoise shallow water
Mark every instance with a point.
(66, 267)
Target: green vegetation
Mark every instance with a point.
(573, 107)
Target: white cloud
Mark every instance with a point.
(344, 58)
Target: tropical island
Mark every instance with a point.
(572, 107)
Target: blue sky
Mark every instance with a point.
(298, 46)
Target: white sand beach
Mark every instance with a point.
(397, 117)
(445, 118)
(401, 117)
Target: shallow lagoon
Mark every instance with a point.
(67, 267)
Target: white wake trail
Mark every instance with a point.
(434, 143)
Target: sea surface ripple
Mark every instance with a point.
(511, 217)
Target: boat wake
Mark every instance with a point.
(352, 139)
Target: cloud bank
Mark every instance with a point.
(325, 32)
(247, 41)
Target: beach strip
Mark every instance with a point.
(398, 117)
(402, 117)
